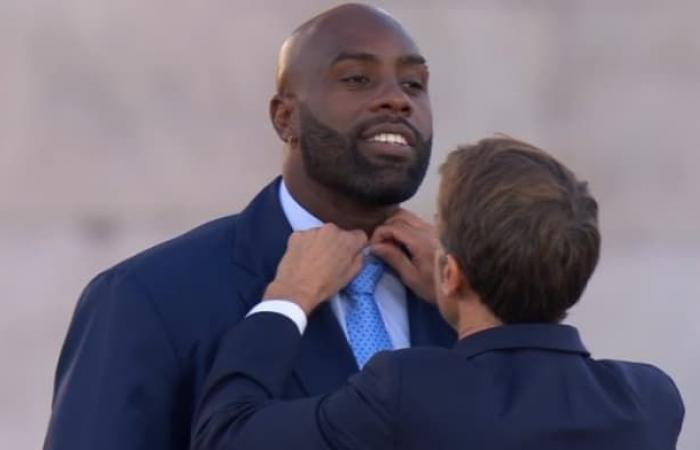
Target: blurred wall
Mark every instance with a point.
(127, 122)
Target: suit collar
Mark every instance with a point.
(262, 234)
(551, 337)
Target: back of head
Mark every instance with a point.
(521, 226)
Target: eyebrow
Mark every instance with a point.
(355, 56)
(412, 60)
(407, 60)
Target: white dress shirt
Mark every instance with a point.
(390, 293)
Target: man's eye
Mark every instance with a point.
(355, 80)
(414, 85)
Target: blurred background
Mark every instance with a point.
(124, 123)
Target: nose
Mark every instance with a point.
(393, 99)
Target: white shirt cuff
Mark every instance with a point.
(290, 310)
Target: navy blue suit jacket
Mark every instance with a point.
(511, 387)
(144, 334)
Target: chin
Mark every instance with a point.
(385, 193)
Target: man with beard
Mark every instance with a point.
(353, 110)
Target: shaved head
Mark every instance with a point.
(323, 32)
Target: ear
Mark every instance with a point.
(281, 110)
(453, 280)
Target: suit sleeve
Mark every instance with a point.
(667, 398)
(241, 406)
(116, 379)
(363, 414)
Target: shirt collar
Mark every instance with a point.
(552, 337)
(299, 218)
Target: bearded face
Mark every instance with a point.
(361, 163)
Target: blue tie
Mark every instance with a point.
(366, 331)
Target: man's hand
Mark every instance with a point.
(407, 243)
(317, 264)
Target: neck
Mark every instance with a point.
(474, 316)
(332, 207)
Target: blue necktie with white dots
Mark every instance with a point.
(366, 330)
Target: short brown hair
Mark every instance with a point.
(522, 228)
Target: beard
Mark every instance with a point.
(334, 160)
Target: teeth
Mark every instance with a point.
(389, 138)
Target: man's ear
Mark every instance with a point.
(281, 110)
(453, 280)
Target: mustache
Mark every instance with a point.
(381, 120)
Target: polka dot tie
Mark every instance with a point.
(366, 330)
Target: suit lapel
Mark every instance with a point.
(325, 360)
(262, 234)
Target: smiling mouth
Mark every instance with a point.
(389, 147)
(389, 138)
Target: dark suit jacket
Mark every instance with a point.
(510, 387)
(144, 334)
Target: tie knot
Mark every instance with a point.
(366, 281)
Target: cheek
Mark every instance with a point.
(338, 110)
(423, 117)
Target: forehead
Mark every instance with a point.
(369, 34)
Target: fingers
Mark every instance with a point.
(355, 267)
(348, 245)
(396, 232)
(409, 219)
(395, 258)
(407, 244)
(357, 239)
(317, 264)
(405, 221)
(329, 237)
(414, 242)
(395, 245)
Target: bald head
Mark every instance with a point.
(331, 32)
